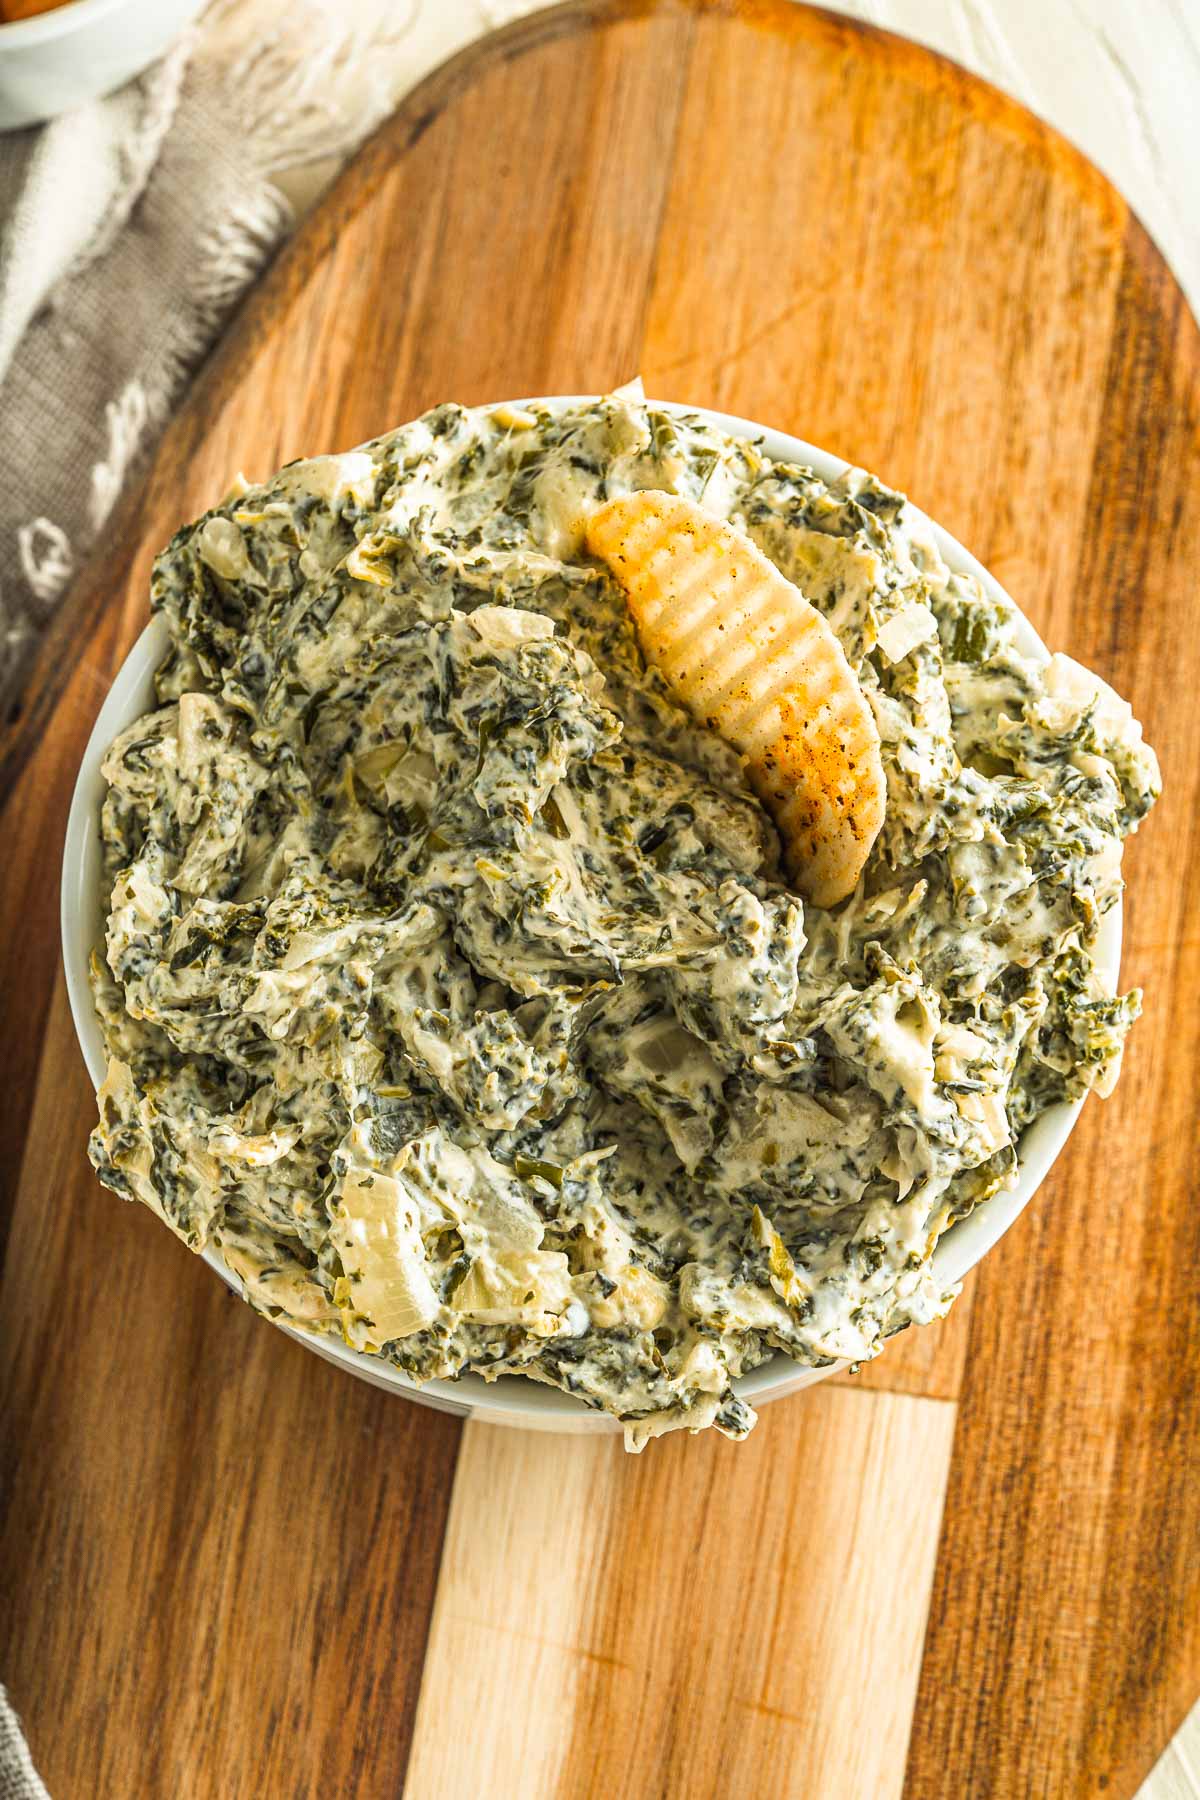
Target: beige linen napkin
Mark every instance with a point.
(19, 1780)
(128, 230)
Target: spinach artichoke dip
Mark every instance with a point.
(453, 989)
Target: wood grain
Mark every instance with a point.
(209, 1539)
(1066, 1610)
(658, 1651)
(218, 1556)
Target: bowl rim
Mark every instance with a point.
(962, 1246)
(59, 21)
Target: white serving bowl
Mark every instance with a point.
(515, 1400)
(57, 60)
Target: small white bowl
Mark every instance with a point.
(515, 1400)
(56, 60)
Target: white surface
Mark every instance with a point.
(57, 60)
(1121, 78)
(515, 1400)
(1176, 1774)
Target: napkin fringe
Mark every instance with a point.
(184, 173)
(280, 110)
(284, 103)
(158, 92)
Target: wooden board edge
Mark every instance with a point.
(110, 560)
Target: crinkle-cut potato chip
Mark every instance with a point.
(752, 659)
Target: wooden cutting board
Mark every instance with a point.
(229, 1569)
